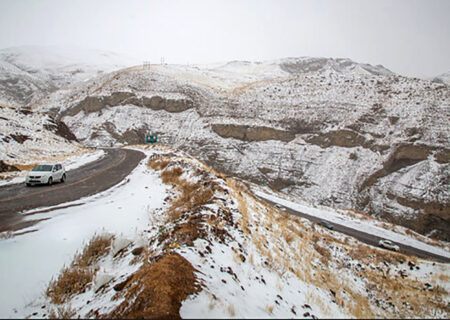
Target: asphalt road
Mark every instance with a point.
(365, 237)
(89, 179)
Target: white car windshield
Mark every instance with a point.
(42, 168)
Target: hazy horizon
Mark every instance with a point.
(409, 37)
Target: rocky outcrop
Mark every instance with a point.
(402, 156)
(19, 138)
(411, 178)
(170, 105)
(4, 167)
(60, 128)
(93, 104)
(338, 138)
(251, 133)
(430, 216)
(442, 155)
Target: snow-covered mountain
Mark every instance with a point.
(177, 238)
(343, 66)
(443, 78)
(29, 72)
(330, 131)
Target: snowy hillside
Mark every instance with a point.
(328, 131)
(29, 72)
(197, 244)
(343, 66)
(443, 78)
(28, 137)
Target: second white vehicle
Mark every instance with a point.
(388, 245)
(46, 174)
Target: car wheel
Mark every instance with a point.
(50, 181)
(28, 184)
(63, 178)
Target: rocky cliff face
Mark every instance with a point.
(28, 137)
(330, 131)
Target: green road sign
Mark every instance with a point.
(151, 138)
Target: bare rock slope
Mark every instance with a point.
(330, 131)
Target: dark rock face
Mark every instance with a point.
(434, 216)
(339, 138)
(403, 156)
(59, 127)
(247, 133)
(442, 156)
(4, 167)
(93, 104)
(170, 105)
(20, 138)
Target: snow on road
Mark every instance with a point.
(346, 220)
(28, 261)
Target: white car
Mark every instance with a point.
(279, 206)
(388, 245)
(46, 173)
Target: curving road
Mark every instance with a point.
(89, 179)
(364, 237)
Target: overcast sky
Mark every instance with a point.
(410, 37)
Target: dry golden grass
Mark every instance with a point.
(324, 252)
(74, 279)
(368, 254)
(306, 253)
(212, 301)
(157, 290)
(301, 257)
(423, 303)
(97, 247)
(443, 277)
(251, 259)
(171, 176)
(25, 167)
(231, 310)
(190, 194)
(288, 235)
(158, 164)
(62, 313)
